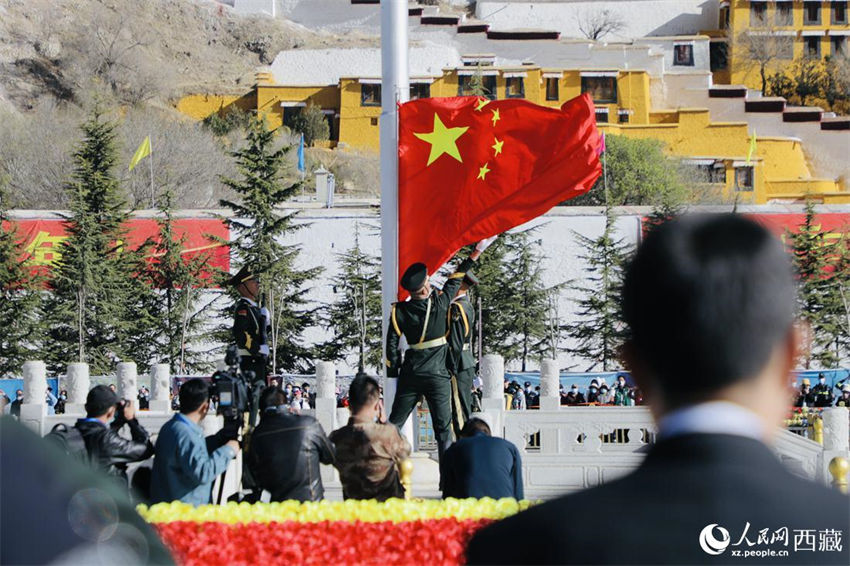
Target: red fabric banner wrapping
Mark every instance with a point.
(42, 238)
(471, 168)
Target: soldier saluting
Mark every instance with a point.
(461, 362)
(423, 321)
(250, 324)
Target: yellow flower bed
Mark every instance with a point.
(395, 510)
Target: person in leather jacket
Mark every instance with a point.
(286, 450)
(107, 450)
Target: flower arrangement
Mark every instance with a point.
(341, 532)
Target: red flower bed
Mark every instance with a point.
(433, 542)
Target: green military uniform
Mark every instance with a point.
(249, 332)
(461, 362)
(424, 323)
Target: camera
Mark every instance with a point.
(231, 388)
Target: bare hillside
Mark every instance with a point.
(142, 51)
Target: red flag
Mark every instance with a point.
(471, 168)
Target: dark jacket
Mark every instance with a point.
(461, 323)
(659, 513)
(285, 453)
(482, 466)
(110, 452)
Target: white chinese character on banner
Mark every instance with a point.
(804, 539)
(829, 540)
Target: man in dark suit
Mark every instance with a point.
(715, 295)
(479, 465)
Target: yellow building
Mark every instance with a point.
(778, 170)
(782, 30)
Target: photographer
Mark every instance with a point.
(286, 450)
(107, 451)
(186, 463)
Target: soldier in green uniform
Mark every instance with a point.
(250, 324)
(461, 362)
(423, 321)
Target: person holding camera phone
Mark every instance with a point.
(105, 416)
(186, 463)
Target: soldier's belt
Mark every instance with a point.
(466, 347)
(243, 352)
(429, 344)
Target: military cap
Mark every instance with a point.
(245, 274)
(414, 277)
(470, 279)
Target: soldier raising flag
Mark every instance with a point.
(461, 362)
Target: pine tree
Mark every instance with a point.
(599, 330)
(355, 317)
(257, 231)
(20, 298)
(821, 281)
(179, 280)
(97, 310)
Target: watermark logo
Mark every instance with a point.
(711, 544)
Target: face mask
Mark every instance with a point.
(593, 390)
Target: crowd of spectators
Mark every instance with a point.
(526, 396)
(821, 395)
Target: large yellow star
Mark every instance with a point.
(482, 172)
(442, 140)
(496, 117)
(482, 102)
(497, 147)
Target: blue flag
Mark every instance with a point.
(301, 154)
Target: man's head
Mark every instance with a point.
(19, 394)
(845, 391)
(805, 385)
(273, 382)
(364, 398)
(415, 280)
(288, 387)
(712, 296)
(195, 397)
(112, 387)
(271, 399)
(473, 426)
(305, 387)
(246, 283)
(100, 403)
(821, 379)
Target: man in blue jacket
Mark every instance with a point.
(184, 468)
(479, 465)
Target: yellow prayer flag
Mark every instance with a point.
(752, 148)
(143, 151)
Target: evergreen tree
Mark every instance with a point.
(257, 230)
(20, 298)
(599, 330)
(822, 279)
(355, 317)
(96, 311)
(179, 280)
(312, 123)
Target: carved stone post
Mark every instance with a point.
(78, 383)
(550, 380)
(836, 445)
(326, 395)
(160, 388)
(34, 407)
(493, 401)
(128, 381)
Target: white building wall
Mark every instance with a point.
(261, 7)
(641, 17)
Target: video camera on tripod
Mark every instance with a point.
(231, 386)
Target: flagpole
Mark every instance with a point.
(150, 160)
(395, 88)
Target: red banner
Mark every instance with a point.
(42, 239)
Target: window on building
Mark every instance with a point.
(812, 47)
(601, 115)
(373, 121)
(839, 44)
(718, 53)
(683, 55)
(744, 179)
(290, 113)
(514, 87)
(717, 174)
(370, 95)
(601, 89)
(724, 17)
(758, 13)
(784, 14)
(811, 13)
(839, 12)
(623, 116)
(420, 90)
(488, 85)
(552, 88)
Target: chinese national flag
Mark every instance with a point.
(471, 168)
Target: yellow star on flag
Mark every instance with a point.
(495, 116)
(482, 102)
(497, 147)
(442, 140)
(482, 172)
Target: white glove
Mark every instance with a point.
(485, 243)
(266, 314)
(264, 350)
